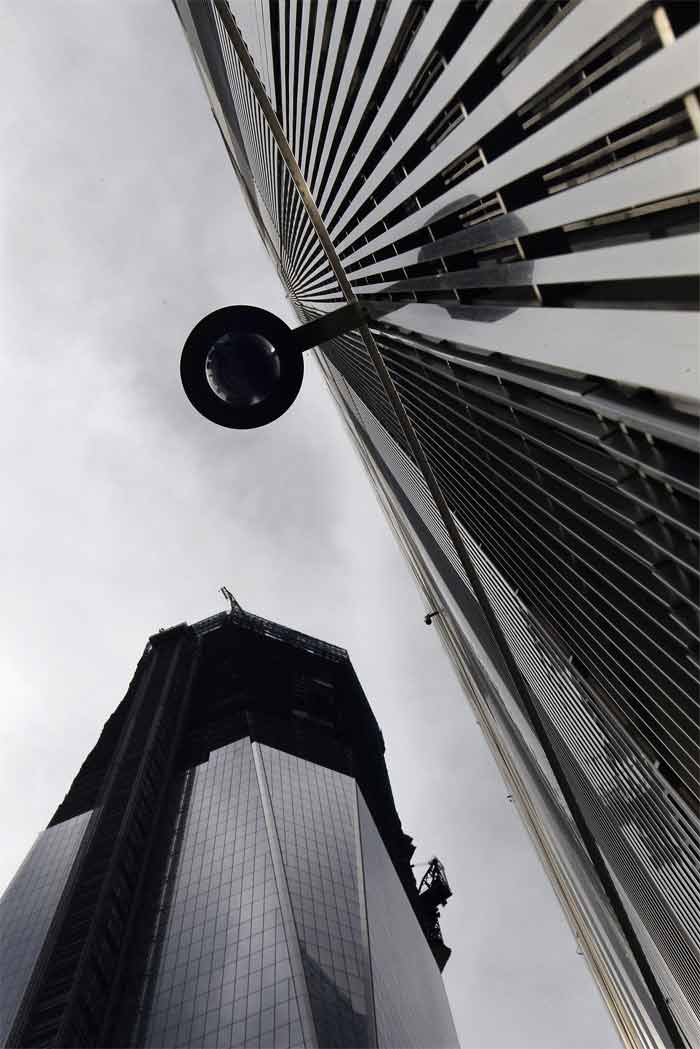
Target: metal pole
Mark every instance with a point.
(521, 685)
(329, 326)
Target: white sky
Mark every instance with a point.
(124, 510)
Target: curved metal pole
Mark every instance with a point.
(523, 689)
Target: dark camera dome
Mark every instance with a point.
(242, 369)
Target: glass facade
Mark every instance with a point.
(223, 975)
(410, 1002)
(262, 938)
(219, 898)
(28, 906)
(314, 813)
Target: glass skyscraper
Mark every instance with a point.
(228, 867)
(511, 187)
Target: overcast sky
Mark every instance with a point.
(125, 511)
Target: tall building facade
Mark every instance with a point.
(512, 188)
(228, 867)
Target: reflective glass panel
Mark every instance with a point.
(222, 973)
(314, 814)
(411, 1005)
(27, 907)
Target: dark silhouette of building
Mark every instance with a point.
(228, 867)
(511, 189)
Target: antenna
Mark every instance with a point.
(234, 606)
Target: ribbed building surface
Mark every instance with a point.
(514, 189)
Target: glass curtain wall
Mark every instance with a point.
(28, 906)
(264, 936)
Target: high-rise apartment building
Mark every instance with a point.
(228, 867)
(512, 188)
